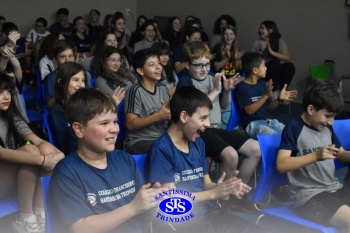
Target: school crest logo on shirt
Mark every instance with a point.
(177, 178)
(91, 198)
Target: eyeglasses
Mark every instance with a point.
(201, 66)
(113, 60)
(150, 30)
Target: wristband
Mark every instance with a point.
(42, 164)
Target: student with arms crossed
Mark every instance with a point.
(307, 152)
(90, 181)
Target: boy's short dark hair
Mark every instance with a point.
(62, 11)
(195, 50)
(250, 61)
(8, 27)
(62, 45)
(140, 57)
(187, 99)
(323, 94)
(41, 20)
(85, 104)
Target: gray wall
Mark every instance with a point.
(24, 12)
(314, 30)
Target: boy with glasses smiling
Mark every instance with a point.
(220, 145)
(148, 31)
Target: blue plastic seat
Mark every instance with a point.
(342, 130)
(271, 178)
(235, 118)
(141, 163)
(52, 224)
(121, 123)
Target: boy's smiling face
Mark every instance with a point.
(319, 119)
(196, 123)
(100, 133)
(199, 68)
(152, 69)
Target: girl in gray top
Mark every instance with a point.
(24, 157)
(111, 72)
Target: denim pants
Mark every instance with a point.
(263, 127)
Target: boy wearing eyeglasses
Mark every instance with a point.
(220, 145)
(146, 103)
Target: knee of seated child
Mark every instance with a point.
(47, 148)
(229, 155)
(252, 149)
(32, 149)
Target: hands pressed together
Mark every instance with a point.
(232, 186)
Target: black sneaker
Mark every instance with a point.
(244, 205)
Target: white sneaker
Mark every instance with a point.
(27, 225)
(40, 218)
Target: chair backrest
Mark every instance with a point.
(92, 82)
(342, 130)
(269, 176)
(121, 122)
(47, 126)
(235, 118)
(140, 160)
(52, 224)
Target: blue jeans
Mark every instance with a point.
(263, 127)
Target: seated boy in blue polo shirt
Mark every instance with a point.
(177, 159)
(97, 188)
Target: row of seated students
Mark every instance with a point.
(147, 106)
(225, 51)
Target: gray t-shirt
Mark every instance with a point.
(206, 86)
(282, 46)
(143, 103)
(102, 85)
(317, 177)
(20, 125)
(142, 45)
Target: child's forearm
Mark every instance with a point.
(286, 163)
(134, 123)
(253, 107)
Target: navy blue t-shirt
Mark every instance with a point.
(167, 164)
(247, 94)
(79, 190)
